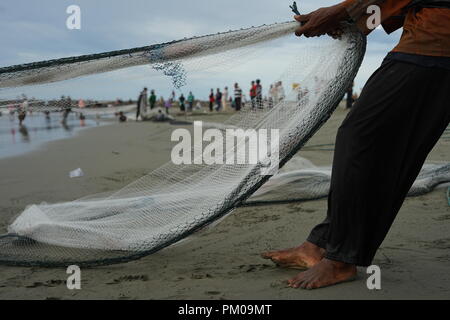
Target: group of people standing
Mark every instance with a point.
(221, 101)
(190, 102)
(218, 100)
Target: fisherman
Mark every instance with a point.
(253, 94)
(237, 97)
(168, 104)
(191, 100)
(225, 99)
(259, 98)
(212, 99)
(152, 99)
(66, 113)
(182, 99)
(218, 100)
(280, 92)
(383, 143)
(141, 104)
(122, 117)
(22, 112)
(22, 115)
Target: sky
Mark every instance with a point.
(36, 30)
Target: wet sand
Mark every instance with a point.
(221, 262)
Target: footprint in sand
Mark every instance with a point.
(439, 244)
(442, 218)
(253, 267)
(50, 284)
(129, 278)
(198, 276)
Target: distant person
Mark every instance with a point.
(212, 99)
(69, 101)
(67, 109)
(383, 142)
(191, 100)
(272, 94)
(168, 105)
(159, 116)
(253, 93)
(66, 113)
(22, 112)
(244, 101)
(280, 91)
(81, 104)
(22, 115)
(237, 97)
(218, 100)
(123, 117)
(259, 97)
(141, 104)
(152, 99)
(182, 100)
(82, 120)
(225, 98)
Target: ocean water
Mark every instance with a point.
(36, 130)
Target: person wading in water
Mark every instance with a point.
(384, 141)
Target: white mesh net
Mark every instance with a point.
(176, 200)
(307, 182)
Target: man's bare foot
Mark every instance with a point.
(323, 274)
(305, 256)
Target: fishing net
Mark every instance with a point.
(174, 201)
(307, 182)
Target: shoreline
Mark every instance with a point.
(36, 147)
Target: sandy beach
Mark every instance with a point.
(220, 262)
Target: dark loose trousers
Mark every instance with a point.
(238, 103)
(380, 149)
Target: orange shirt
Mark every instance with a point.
(426, 32)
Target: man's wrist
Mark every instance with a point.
(342, 12)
